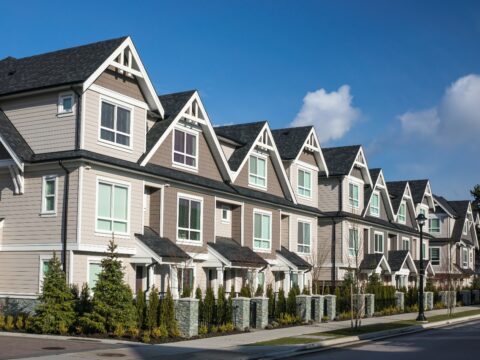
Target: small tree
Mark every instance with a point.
(112, 303)
(83, 303)
(292, 301)
(201, 315)
(209, 307)
(271, 300)
(152, 310)
(55, 312)
(167, 315)
(229, 309)
(221, 306)
(281, 304)
(141, 309)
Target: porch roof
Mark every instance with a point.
(398, 258)
(235, 254)
(294, 259)
(371, 262)
(161, 246)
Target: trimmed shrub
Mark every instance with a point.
(9, 326)
(141, 309)
(292, 302)
(259, 291)
(152, 310)
(271, 301)
(167, 315)
(281, 304)
(20, 324)
(201, 315)
(221, 317)
(209, 307)
(245, 292)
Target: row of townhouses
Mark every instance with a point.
(90, 152)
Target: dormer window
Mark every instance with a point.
(465, 227)
(65, 104)
(353, 195)
(402, 213)
(434, 226)
(115, 125)
(375, 204)
(304, 183)
(185, 148)
(464, 258)
(257, 175)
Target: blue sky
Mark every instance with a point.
(400, 77)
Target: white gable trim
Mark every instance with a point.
(363, 166)
(142, 76)
(380, 188)
(317, 152)
(14, 156)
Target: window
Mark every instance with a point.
(304, 237)
(465, 227)
(294, 279)
(262, 231)
(189, 219)
(49, 191)
(94, 269)
(115, 124)
(112, 208)
(44, 267)
(185, 148)
(402, 216)
(464, 258)
(257, 175)
(424, 250)
(304, 183)
(379, 243)
(226, 213)
(261, 279)
(353, 242)
(353, 195)
(423, 212)
(435, 255)
(406, 244)
(375, 205)
(185, 280)
(434, 225)
(65, 104)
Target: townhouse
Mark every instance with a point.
(89, 152)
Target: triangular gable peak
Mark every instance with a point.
(312, 145)
(407, 197)
(127, 61)
(361, 163)
(382, 188)
(265, 142)
(193, 112)
(428, 195)
(443, 207)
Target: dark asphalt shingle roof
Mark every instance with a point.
(162, 246)
(235, 253)
(294, 258)
(460, 207)
(290, 141)
(374, 174)
(340, 160)
(63, 67)
(445, 204)
(243, 134)
(396, 259)
(13, 138)
(396, 189)
(370, 261)
(425, 263)
(418, 188)
(172, 104)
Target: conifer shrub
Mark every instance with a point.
(141, 309)
(259, 291)
(83, 303)
(9, 323)
(221, 315)
(209, 307)
(167, 314)
(152, 310)
(245, 292)
(306, 291)
(186, 292)
(292, 302)
(198, 296)
(229, 308)
(271, 301)
(2, 321)
(281, 305)
(202, 330)
(56, 303)
(19, 323)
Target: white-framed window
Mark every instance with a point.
(115, 124)
(189, 219)
(94, 269)
(257, 171)
(226, 214)
(423, 211)
(186, 279)
(465, 227)
(464, 257)
(49, 194)
(305, 183)
(45, 261)
(424, 250)
(434, 226)
(65, 104)
(304, 237)
(375, 204)
(262, 230)
(113, 201)
(353, 242)
(379, 242)
(402, 213)
(435, 255)
(353, 195)
(406, 244)
(185, 148)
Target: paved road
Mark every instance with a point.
(460, 341)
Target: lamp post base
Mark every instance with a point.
(421, 318)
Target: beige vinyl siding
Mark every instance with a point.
(329, 194)
(154, 210)
(89, 210)
(237, 224)
(207, 166)
(308, 157)
(383, 206)
(248, 226)
(222, 228)
(273, 183)
(120, 83)
(24, 223)
(325, 236)
(228, 149)
(357, 173)
(285, 231)
(92, 124)
(293, 175)
(35, 117)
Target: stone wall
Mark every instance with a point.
(186, 314)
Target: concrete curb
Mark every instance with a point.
(357, 340)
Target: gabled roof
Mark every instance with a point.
(371, 262)
(396, 189)
(461, 208)
(243, 134)
(377, 176)
(173, 105)
(163, 247)
(396, 259)
(235, 254)
(63, 67)
(13, 141)
(418, 189)
(340, 160)
(427, 265)
(294, 259)
(445, 205)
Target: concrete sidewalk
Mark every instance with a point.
(231, 346)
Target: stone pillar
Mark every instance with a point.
(186, 314)
(448, 298)
(318, 302)
(428, 300)
(174, 282)
(369, 305)
(476, 296)
(331, 306)
(304, 307)
(400, 300)
(261, 320)
(241, 313)
(359, 304)
(466, 297)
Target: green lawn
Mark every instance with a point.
(286, 341)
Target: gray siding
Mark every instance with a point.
(120, 83)
(329, 194)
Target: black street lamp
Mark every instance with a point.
(421, 315)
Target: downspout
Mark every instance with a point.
(78, 118)
(66, 187)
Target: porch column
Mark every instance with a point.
(228, 280)
(219, 280)
(151, 278)
(286, 282)
(174, 281)
(301, 280)
(254, 280)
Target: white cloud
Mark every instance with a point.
(455, 119)
(332, 113)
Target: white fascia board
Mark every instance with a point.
(14, 156)
(318, 154)
(218, 256)
(365, 171)
(148, 251)
(286, 262)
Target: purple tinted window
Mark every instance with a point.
(179, 141)
(191, 145)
